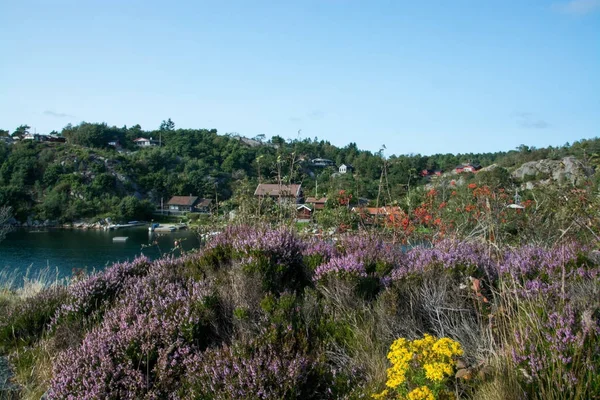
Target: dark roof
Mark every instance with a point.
(183, 201)
(204, 203)
(274, 189)
(476, 166)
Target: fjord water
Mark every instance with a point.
(61, 251)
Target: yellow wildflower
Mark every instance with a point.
(382, 395)
(447, 347)
(435, 357)
(421, 393)
(422, 347)
(437, 371)
(400, 357)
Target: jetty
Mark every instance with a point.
(130, 224)
(167, 228)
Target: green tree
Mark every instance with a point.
(21, 131)
(167, 125)
(131, 208)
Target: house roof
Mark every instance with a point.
(379, 211)
(462, 166)
(204, 203)
(314, 200)
(274, 189)
(141, 139)
(320, 160)
(183, 201)
(303, 206)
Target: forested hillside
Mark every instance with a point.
(86, 177)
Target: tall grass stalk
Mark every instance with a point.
(552, 363)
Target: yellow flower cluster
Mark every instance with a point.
(400, 357)
(382, 395)
(421, 393)
(436, 371)
(415, 362)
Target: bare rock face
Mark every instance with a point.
(489, 168)
(567, 170)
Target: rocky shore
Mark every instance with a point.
(31, 223)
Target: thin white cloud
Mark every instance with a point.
(316, 114)
(528, 120)
(577, 7)
(57, 114)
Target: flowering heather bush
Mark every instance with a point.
(420, 368)
(348, 267)
(275, 255)
(93, 294)
(468, 257)
(282, 243)
(138, 349)
(23, 323)
(530, 262)
(377, 255)
(252, 372)
(555, 347)
(264, 314)
(317, 251)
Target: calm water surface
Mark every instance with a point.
(63, 250)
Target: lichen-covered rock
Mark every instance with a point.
(566, 170)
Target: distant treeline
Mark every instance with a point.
(88, 177)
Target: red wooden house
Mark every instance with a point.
(469, 167)
(317, 204)
(303, 213)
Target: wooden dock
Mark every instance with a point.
(114, 227)
(167, 228)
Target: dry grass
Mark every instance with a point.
(503, 385)
(33, 369)
(15, 284)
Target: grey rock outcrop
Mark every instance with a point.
(567, 170)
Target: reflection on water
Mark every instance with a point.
(68, 250)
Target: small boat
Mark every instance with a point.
(120, 239)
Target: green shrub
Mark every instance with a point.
(26, 322)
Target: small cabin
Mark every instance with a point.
(303, 213)
(145, 142)
(278, 192)
(428, 173)
(346, 168)
(189, 204)
(317, 204)
(469, 167)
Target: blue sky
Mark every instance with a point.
(420, 77)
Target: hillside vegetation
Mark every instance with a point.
(85, 178)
